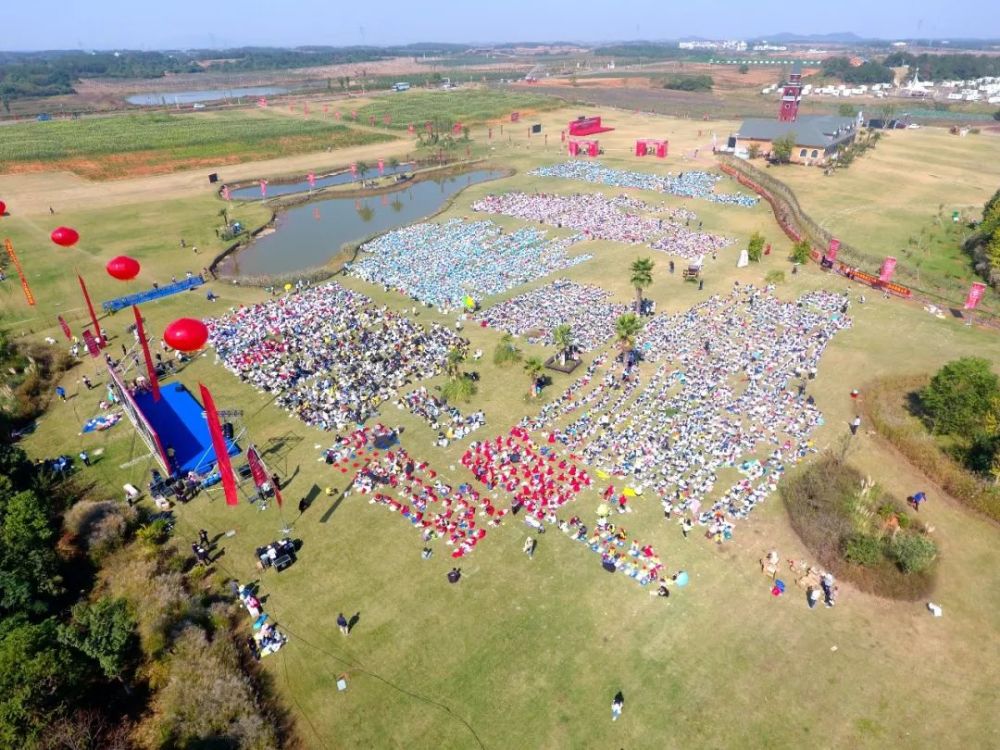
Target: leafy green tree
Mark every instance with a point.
(506, 353)
(755, 250)
(106, 632)
(642, 278)
(753, 151)
(459, 388)
(37, 676)
(29, 571)
(627, 327)
(533, 366)
(562, 337)
(781, 148)
(960, 396)
(801, 251)
(363, 168)
(453, 364)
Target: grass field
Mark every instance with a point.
(528, 653)
(105, 147)
(898, 200)
(470, 107)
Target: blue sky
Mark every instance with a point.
(157, 24)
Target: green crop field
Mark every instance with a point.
(469, 107)
(90, 144)
(527, 653)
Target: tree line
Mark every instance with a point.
(947, 67)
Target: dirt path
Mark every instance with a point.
(64, 191)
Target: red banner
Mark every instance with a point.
(354, 169)
(150, 368)
(312, 180)
(410, 129)
(93, 315)
(219, 444)
(515, 116)
(381, 167)
(888, 268)
(28, 296)
(975, 294)
(263, 189)
(65, 328)
(91, 343)
(260, 474)
(831, 253)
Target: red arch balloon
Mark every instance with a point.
(123, 268)
(3, 208)
(65, 236)
(186, 334)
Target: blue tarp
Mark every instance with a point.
(179, 420)
(120, 303)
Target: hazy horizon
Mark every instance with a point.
(193, 24)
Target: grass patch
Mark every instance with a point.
(886, 405)
(468, 107)
(858, 531)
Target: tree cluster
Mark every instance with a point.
(689, 83)
(947, 67)
(868, 72)
(962, 404)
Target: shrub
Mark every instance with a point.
(154, 533)
(913, 553)
(755, 250)
(862, 549)
(100, 526)
(801, 251)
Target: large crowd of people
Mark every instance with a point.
(587, 309)
(329, 355)
(603, 218)
(692, 184)
(444, 264)
(448, 421)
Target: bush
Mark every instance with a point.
(101, 526)
(913, 553)
(801, 252)
(862, 549)
(755, 250)
(155, 533)
(689, 83)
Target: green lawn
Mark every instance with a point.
(528, 653)
(469, 107)
(898, 200)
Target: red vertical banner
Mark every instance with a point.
(28, 295)
(411, 129)
(312, 180)
(831, 253)
(219, 445)
(975, 294)
(354, 169)
(91, 343)
(144, 343)
(65, 328)
(261, 475)
(337, 115)
(381, 167)
(263, 189)
(93, 315)
(888, 268)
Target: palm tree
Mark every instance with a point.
(393, 162)
(397, 205)
(363, 167)
(562, 337)
(642, 277)
(626, 328)
(533, 366)
(506, 353)
(366, 213)
(454, 362)
(459, 389)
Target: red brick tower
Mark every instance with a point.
(791, 95)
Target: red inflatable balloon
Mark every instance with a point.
(186, 334)
(3, 208)
(65, 236)
(123, 268)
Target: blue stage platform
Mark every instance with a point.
(179, 421)
(120, 303)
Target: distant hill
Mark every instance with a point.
(840, 37)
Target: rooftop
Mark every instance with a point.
(819, 131)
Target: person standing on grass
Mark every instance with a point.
(529, 547)
(85, 458)
(686, 526)
(203, 538)
(616, 706)
(812, 597)
(61, 392)
(855, 424)
(343, 624)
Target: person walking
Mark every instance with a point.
(617, 704)
(343, 624)
(61, 392)
(855, 424)
(87, 382)
(85, 458)
(827, 582)
(686, 525)
(529, 547)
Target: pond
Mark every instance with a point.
(170, 98)
(252, 192)
(308, 236)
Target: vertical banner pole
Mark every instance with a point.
(93, 315)
(221, 450)
(150, 369)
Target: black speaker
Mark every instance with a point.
(213, 178)
(227, 430)
(536, 128)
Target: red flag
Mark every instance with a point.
(261, 475)
(65, 328)
(975, 294)
(381, 167)
(263, 189)
(153, 381)
(219, 444)
(831, 253)
(93, 315)
(312, 179)
(888, 267)
(91, 343)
